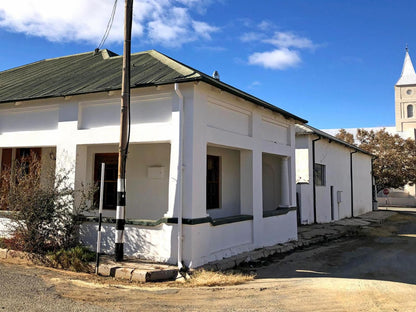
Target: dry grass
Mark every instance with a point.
(402, 218)
(209, 279)
(383, 230)
(389, 227)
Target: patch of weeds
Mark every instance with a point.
(209, 278)
(75, 259)
(15, 242)
(3, 244)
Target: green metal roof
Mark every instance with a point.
(97, 72)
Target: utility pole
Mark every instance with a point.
(124, 134)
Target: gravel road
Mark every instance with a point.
(22, 289)
(374, 272)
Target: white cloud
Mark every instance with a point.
(265, 25)
(254, 84)
(276, 59)
(290, 40)
(251, 36)
(203, 29)
(286, 52)
(167, 22)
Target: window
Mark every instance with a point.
(28, 155)
(110, 179)
(319, 175)
(213, 182)
(6, 159)
(409, 111)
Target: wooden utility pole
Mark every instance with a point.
(124, 134)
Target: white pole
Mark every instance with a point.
(100, 216)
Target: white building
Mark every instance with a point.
(210, 170)
(334, 178)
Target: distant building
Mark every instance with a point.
(333, 178)
(405, 111)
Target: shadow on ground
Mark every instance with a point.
(385, 252)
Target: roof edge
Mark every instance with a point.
(314, 131)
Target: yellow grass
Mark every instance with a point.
(210, 278)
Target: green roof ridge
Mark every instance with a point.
(174, 64)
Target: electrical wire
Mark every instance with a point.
(109, 25)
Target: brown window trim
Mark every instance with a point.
(110, 179)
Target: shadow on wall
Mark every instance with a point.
(158, 243)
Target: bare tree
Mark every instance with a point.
(395, 162)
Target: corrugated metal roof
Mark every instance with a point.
(97, 72)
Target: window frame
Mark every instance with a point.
(110, 179)
(319, 174)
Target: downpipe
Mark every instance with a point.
(181, 267)
(352, 184)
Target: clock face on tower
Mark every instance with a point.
(409, 91)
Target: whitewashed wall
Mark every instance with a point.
(147, 196)
(280, 229)
(6, 227)
(225, 121)
(336, 158)
(362, 191)
(156, 243)
(305, 197)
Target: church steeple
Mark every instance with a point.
(408, 76)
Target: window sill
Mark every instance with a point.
(277, 212)
(231, 219)
(142, 222)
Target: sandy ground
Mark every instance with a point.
(375, 272)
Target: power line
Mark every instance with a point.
(109, 25)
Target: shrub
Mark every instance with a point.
(45, 212)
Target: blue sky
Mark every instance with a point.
(331, 62)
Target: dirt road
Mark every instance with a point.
(375, 272)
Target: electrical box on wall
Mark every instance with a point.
(156, 172)
(339, 196)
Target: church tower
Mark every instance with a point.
(405, 98)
